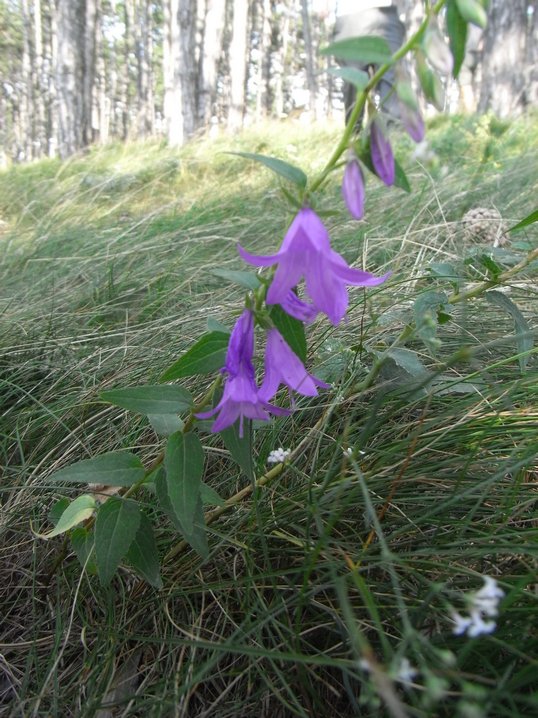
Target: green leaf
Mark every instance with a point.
(206, 356)
(240, 448)
(366, 49)
(457, 35)
(78, 511)
(400, 178)
(197, 537)
(213, 325)
(524, 339)
(426, 309)
(284, 169)
(143, 555)
(409, 361)
(184, 466)
(210, 497)
(115, 528)
(352, 75)
(115, 468)
(291, 329)
(530, 219)
(472, 11)
(83, 542)
(165, 424)
(244, 279)
(57, 509)
(150, 399)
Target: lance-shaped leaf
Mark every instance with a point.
(143, 555)
(184, 466)
(352, 75)
(244, 279)
(115, 528)
(150, 399)
(284, 169)
(291, 329)
(115, 468)
(210, 497)
(206, 356)
(457, 36)
(197, 538)
(529, 219)
(240, 447)
(365, 49)
(83, 544)
(524, 338)
(78, 511)
(473, 12)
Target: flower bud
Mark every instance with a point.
(353, 188)
(436, 49)
(381, 154)
(432, 87)
(409, 111)
(473, 12)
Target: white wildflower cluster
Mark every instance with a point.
(277, 456)
(484, 604)
(401, 671)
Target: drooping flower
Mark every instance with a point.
(240, 398)
(283, 366)
(306, 252)
(381, 154)
(412, 121)
(353, 188)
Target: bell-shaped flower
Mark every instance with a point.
(412, 121)
(353, 188)
(306, 252)
(240, 398)
(283, 366)
(295, 307)
(381, 154)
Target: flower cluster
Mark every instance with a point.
(305, 252)
(483, 604)
(241, 397)
(278, 456)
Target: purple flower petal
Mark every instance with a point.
(381, 154)
(353, 189)
(283, 366)
(295, 307)
(413, 122)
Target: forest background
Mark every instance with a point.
(77, 72)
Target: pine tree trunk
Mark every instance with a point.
(238, 64)
(309, 59)
(508, 83)
(211, 49)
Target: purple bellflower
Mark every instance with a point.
(381, 154)
(353, 188)
(306, 252)
(240, 397)
(283, 366)
(412, 121)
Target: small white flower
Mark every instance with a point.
(461, 623)
(478, 626)
(488, 597)
(278, 456)
(406, 673)
(348, 451)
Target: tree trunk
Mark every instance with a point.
(309, 59)
(238, 64)
(508, 82)
(210, 54)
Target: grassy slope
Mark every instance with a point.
(104, 279)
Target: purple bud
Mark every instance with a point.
(412, 121)
(353, 188)
(381, 154)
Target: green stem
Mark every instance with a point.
(361, 100)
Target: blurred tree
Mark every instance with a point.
(509, 72)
